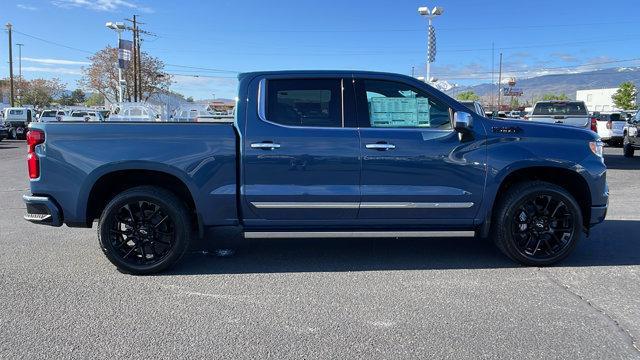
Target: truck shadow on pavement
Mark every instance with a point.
(613, 243)
(619, 162)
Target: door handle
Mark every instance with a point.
(265, 146)
(380, 146)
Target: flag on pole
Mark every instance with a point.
(124, 53)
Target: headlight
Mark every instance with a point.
(596, 147)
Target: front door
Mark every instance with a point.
(301, 157)
(415, 167)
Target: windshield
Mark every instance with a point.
(48, 114)
(560, 108)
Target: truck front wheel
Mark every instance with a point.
(537, 223)
(144, 230)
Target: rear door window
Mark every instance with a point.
(560, 108)
(308, 102)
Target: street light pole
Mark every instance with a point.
(431, 36)
(12, 98)
(19, 59)
(118, 27)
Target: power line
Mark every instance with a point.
(52, 42)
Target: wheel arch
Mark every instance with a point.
(103, 184)
(568, 179)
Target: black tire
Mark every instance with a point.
(512, 233)
(163, 230)
(627, 149)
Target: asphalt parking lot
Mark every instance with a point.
(335, 298)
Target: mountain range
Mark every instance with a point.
(566, 83)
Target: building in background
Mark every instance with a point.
(598, 99)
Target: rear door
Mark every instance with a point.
(300, 152)
(415, 167)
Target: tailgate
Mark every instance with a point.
(578, 121)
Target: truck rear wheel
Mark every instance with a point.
(144, 230)
(537, 223)
(627, 149)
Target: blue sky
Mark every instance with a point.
(200, 37)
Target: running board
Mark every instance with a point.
(355, 234)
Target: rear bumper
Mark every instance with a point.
(598, 213)
(42, 210)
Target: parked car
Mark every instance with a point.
(3, 132)
(610, 127)
(631, 140)
(16, 119)
(308, 157)
(134, 112)
(573, 113)
(83, 115)
(51, 115)
(198, 114)
(474, 106)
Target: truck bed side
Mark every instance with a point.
(76, 156)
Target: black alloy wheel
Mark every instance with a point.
(542, 226)
(141, 233)
(537, 223)
(144, 230)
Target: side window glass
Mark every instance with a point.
(304, 102)
(398, 105)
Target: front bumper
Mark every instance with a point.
(42, 210)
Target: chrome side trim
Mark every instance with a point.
(366, 205)
(409, 205)
(354, 234)
(305, 205)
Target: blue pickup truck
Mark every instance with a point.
(317, 154)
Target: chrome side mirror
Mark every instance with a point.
(462, 121)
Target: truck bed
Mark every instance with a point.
(75, 156)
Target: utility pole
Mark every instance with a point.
(493, 58)
(135, 61)
(139, 59)
(137, 55)
(499, 83)
(19, 59)
(413, 71)
(11, 100)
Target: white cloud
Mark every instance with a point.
(101, 5)
(55, 61)
(52, 70)
(26, 7)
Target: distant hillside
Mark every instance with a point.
(563, 83)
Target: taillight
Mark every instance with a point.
(594, 124)
(34, 137)
(609, 125)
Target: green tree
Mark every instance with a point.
(190, 99)
(78, 96)
(551, 96)
(95, 99)
(66, 100)
(625, 97)
(40, 92)
(467, 96)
